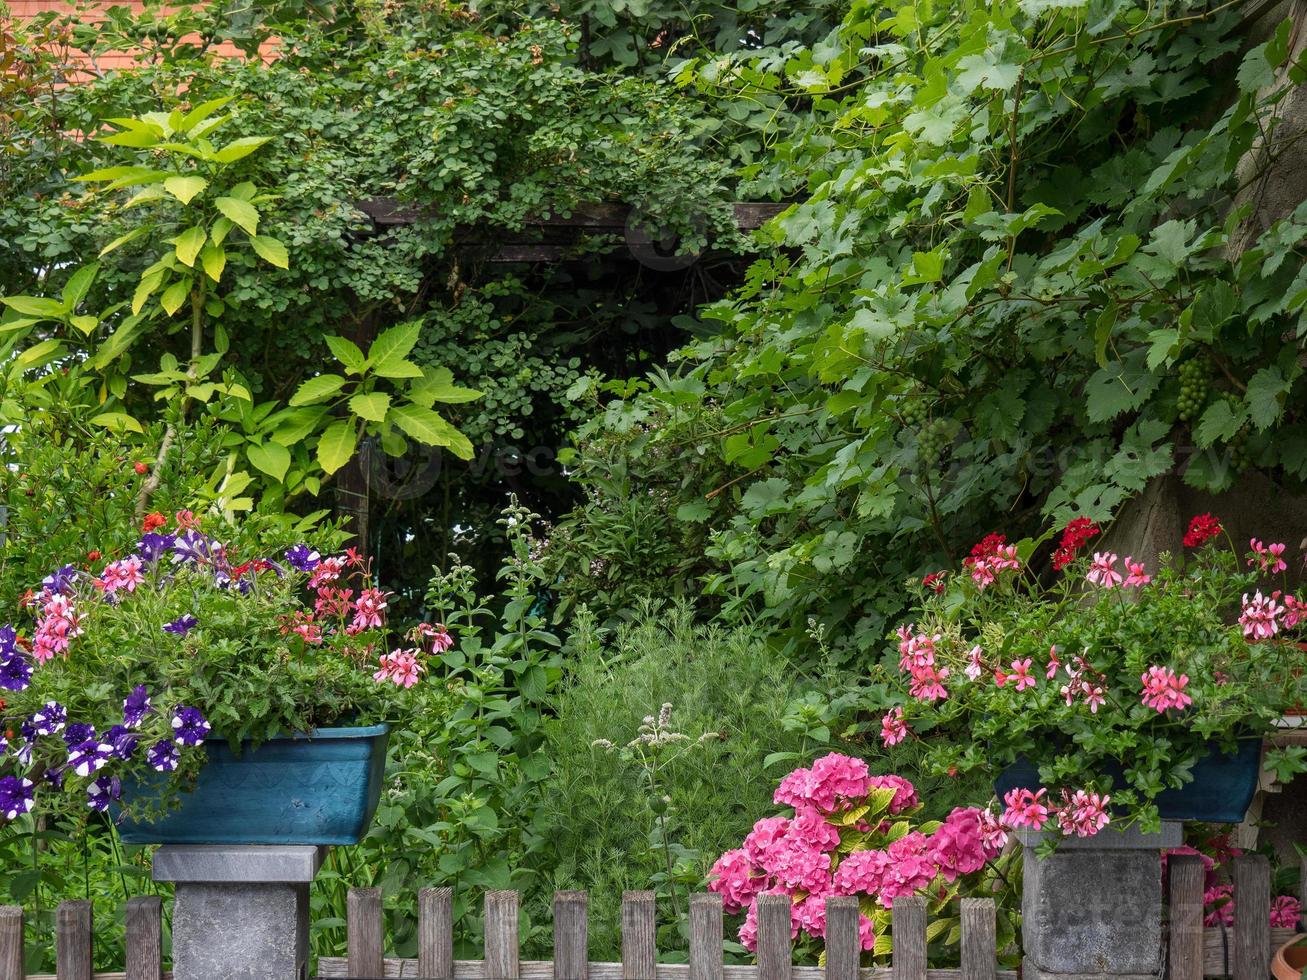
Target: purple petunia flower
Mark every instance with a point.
(8, 636)
(60, 580)
(162, 756)
(303, 558)
(15, 796)
(50, 719)
(123, 740)
(136, 706)
(192, 546)
(55, 777)
(152, 546)
(24, 753)
(102, 791)
(89, 757)
(189, 726)
(181, 625)
(15, 672)
(77, 732)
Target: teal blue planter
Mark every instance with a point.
(1222, 787)
(317, 789)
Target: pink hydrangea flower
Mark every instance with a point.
(905, 794)
(910, 867)
(1135, 575)
(1025, 808)
(1164, 690)
(736, 880)
(749, 930)
(1102, 571)
(1268, 558)
(893, 729)
(811, 829)
(957, 847)
(1219, 904)
(1259, 616)
(835, 781)
(765, 840)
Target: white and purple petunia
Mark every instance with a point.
(89, 757)
(303, 558)
(49, 719)
(15, 796)
(101, 792)
(182, 625)
(136, 706)
(162, 756)
(55, 777)
(152, 546)
(15, 672)
(189, 726)
(60, 580)
(78, 732)
(123, 740)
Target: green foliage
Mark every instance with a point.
(461, 807)
(605, 833)
(1018, 220)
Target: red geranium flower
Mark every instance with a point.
(1202, 528)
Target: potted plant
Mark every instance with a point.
(1112, 693)
(221, 682)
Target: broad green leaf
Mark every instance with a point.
(317, 389)
(121, 240)
(86, 324)
(117, 342)
(430, 429)
(119, 174)
(220, 230)
(175, 295)
(370, 406)
(437, 385)
(145, 289)
(241, 213)
(46, 350)
(117, 422)
(270, 250)
(348, 353)
(271, 458)
(337, 445)
(185, 188)
(293, 425)
(238, 149)
(34, 306)
(146, 196)
(393, 345)
(1266, 395)
(397, 369)
(201, 112)
(138, 138)
(1120, 387)
(188, 244)
(214, 259)
(1220, 421)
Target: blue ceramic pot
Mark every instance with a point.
(1222, 787)
(321, 788)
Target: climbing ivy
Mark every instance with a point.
(1025, 222)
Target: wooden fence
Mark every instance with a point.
(1242, 951)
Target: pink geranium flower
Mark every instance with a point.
(1083, 813)
(893, 729)
(1268, 558)
(1258, 618)
(1164, 690)
(1135, 575)
(1102, 571)
(400, 667)
(974, 666)
(369, 610)
(1021, 674)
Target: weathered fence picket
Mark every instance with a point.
(1194, 951)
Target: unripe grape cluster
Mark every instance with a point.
(1195, 379)
(913, 412)
(932, 441)
(1238, 443)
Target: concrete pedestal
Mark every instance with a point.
(239, 912)
(1093, 909)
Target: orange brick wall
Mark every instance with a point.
(108, 61)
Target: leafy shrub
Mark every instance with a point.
(602, 819)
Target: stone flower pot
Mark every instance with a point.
(320, 788)
(1222, 787)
